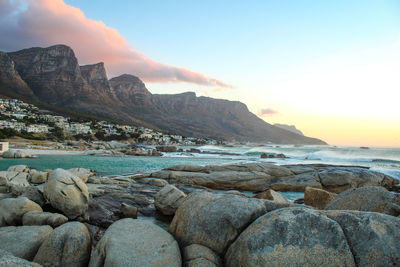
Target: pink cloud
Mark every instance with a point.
(267, 112)
(47, 22)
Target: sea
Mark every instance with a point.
(385, 160)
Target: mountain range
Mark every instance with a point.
(52, 77)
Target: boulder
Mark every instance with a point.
(82, 173)
(317, 198)
(128, 211)
(43, 218)
(263, 175)
(215, 220)
(168, 199)
(18, 184)
(68, 245)
(18, 168)
(339, 179)
(33, 193)
(9, 260)
(6, 176)
(369, 198)
(291, 237)
(198, 255)
(67, 193)
(153, 181)
(166, 149)
(12, 210)
(129, 242)
(23, 241)
(38, 177)
(373, 237)
(272, 195)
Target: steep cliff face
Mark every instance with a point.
(95, 75)
(131, 90)
(52, 73)
(11, 83)
(53, 76)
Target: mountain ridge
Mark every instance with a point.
(52, 75)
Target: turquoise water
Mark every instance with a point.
(106, 166)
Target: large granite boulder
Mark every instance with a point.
(197, 255)
(67, 193)
(9, 260)
(369, 198)
(272, 195)
(23, 241)
(18, 183)
(68, 245)
(82, 173)
(168, 199)
(16, 154)
(262, 176)
(339, 179)
(291, 237)
(43, 218)
(33, 193)
(12, 210)
(215, 220)
(6, 176)
(18, 168)
(129, 242)
(317, 198)
(373, 237)
(38, 177)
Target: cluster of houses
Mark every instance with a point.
(17, 112)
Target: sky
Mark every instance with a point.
(329, 67)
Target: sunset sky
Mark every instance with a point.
(332, 68)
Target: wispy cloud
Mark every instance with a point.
(27, 23)
(267, 112)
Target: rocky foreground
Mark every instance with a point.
(75, 218)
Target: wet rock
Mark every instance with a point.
(67, 193)
(291, 237)
(373, 237)
(12, 210)
(215, 220)
(43, 218)
(369, 198)
(168, 199)
(129, 242)
(68, 245)
(166, 148)
(9, 260)
(317, 198)
(23, 241)
(272, 195)
(198, 255)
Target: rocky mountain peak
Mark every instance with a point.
(290, 128)
(129, 88)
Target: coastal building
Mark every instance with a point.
(3, 147)
(37, 128)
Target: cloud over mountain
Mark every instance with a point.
(267, 111)
(27, 23)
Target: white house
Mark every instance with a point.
(3, 147)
